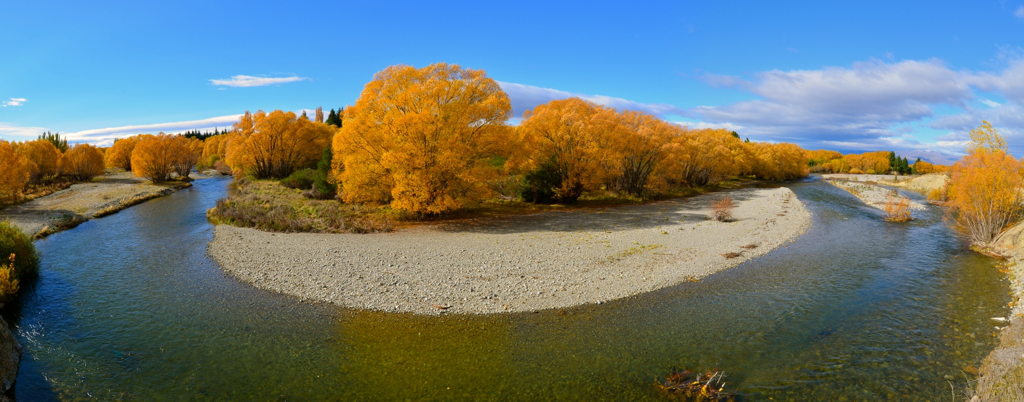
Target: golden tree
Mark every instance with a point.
(420, 138)
(41, 158)
(275, 145)
(922, 167)
(782, 161)
(641, 145)
(185, 153)
(120, 154)
(81, 162)
(985, 187)
(565, 145)
(705, 156)
(153, 157)
(15, 173)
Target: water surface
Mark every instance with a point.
(129, 307)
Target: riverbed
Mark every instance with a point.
(130, 306)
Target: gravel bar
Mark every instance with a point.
(516, 264)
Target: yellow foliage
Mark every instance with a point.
(185, 154)
(81, 162)
(420, 139)
(838, 166)
(275, 145)
(877, 161)
(15, 173)
(571, 137)
(822, 157)
(640, 147)
(783, 161)
(985, 137)
(40, 156)
(154, 157)
(705, 156)
(120, 154)
(8, 284)
(984, 193)
(923, 167)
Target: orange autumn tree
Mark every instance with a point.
(869, 162)
(153, 157)
(705, 156)
(782, 161)
(565, 146)
(15, 174)
(640, 147)
(120, 154)
(41, 158)
(82, 162)
(420, 139)
(185, 153)
(985, 187)
(273, 145)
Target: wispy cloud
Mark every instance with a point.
(12, 132)
(105, 136)
(251, 81)
(870, 105)
(15, 102)
(526, 97)
(1020, 12)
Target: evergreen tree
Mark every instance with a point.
(332, 119)
(735, 134)
(54, 138)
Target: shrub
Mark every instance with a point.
(721, 210)
(938, 194)
(856, 171)
(301, 179)
(897, 209)
(14, 241)
(82, 162)
(539, 185)
(222, 167)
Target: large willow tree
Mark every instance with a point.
(420, 138)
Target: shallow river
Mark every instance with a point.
(129, 307)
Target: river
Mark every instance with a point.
(129, 307)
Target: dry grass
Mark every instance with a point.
(731, 255)
(897, 209)
(267, 205)
(1002, 375)
(721, 210)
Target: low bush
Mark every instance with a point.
(721, 210)
(301, 179)
(937, 194)
(14, 241)
(897, 209)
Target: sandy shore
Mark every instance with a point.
(523, 263)
(64, 209)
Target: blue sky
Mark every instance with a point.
(913, 77)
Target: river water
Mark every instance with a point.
(129, 307)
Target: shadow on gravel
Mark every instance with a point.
(617, 218)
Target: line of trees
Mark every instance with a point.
(878, 162)
(437, 139)
(44, 160)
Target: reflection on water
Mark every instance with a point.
(130, 307)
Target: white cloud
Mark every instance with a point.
(11, 132)
(251, 81)
(1020, 12)
(989, 102)
(15, 102)
(868, 105)
(106, 136)
(703, 124)
(526, 97)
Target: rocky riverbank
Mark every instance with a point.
(1002, 372)
(520, 263)
(67, 208)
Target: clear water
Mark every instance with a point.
(129, 307)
